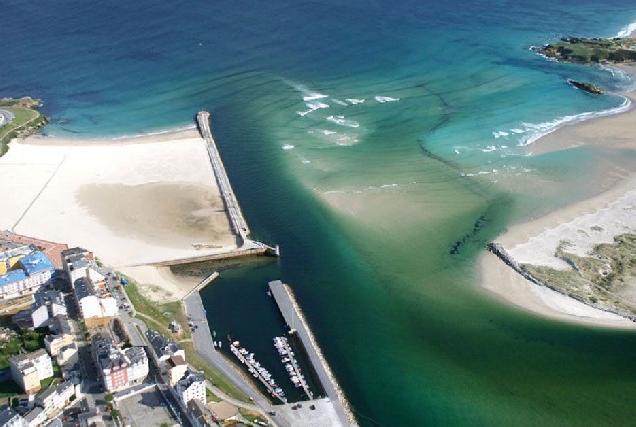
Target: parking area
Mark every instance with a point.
(146, 409)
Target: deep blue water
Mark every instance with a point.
(395, 311)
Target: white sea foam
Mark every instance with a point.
(316, 105)
(499, 134)
(312, 96)
(383, 99)
(489, 149)
(305, 161)
(388, 185)
(287, 147)
(536, 131)
(328, 132)
(627, 30)
(158, 132)
(342, 121)
(354, 101)
(339, 102)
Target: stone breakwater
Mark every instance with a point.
(314, 343)
(502, 254)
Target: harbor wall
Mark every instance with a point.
(284, 296)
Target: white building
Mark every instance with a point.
(118, 368)
(163, 348)
(36, 417)
(54, 399)
(28, 274)
(31, 368)
(10, 418)
(191, 386)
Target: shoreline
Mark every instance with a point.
(109, 196)
(533, 241)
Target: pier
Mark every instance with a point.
(259, 372)
(295, 319)
(239, 225)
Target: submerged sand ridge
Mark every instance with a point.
(133, 201)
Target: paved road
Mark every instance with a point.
(203, 343)
(5, 117)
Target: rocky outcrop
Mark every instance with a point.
(24, 102)
(587, 87)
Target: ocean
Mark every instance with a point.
(381, 144)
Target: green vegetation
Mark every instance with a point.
(587, 50)
(154, 315)
(26, 120)
(605, 278)
(34, 339)
(251, 416)
(211, 396)
(9, 388)
(54, 380)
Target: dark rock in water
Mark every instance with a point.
(587, 87)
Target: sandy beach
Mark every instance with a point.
(584, 224)
(132, 201)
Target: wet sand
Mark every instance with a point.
(131, 201)
(585, 224)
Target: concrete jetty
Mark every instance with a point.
(295, 319)
(239, 225)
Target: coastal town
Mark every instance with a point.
(84, 344)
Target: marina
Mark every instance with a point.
(291, 365)
(254, 367)
(299, 329)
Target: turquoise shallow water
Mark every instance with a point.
(380, 206)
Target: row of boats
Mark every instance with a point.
(291, 364)
(258, 371)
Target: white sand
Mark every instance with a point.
(130, 201)
(584, 224)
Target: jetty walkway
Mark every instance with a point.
(239, 225)
(295, 319)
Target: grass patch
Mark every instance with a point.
(251, 416)
(211, 397)
(22, 117)
(153, 315)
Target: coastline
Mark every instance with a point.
(533, 242)
(108, 195)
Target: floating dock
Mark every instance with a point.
(295, 319)
(259, 372)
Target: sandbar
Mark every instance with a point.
(586, 223)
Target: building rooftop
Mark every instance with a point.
(7, 414)
(135, 354)
(60, 324)
(36, 262)
(82, 288)
(161, 345)
(190, 377)
(44, 297)
(12, 276)
(33, 415)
